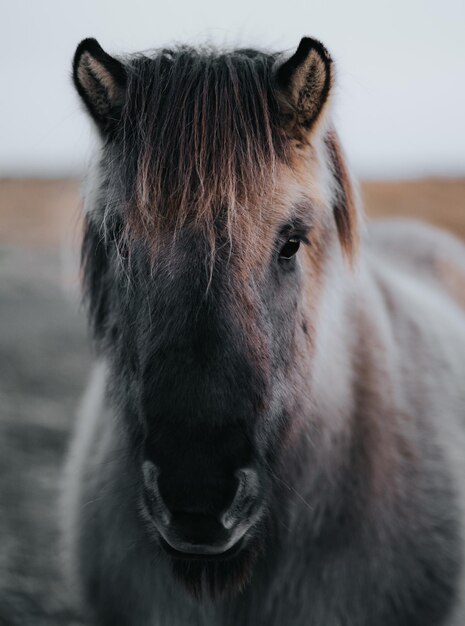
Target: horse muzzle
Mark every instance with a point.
(203, 535)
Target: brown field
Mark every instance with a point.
(438, 201)
(42, 212)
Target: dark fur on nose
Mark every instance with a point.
(196, 532)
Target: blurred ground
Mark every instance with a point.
(438, 201)
(44, 359)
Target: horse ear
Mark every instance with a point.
(305, 80)
(100, 81)
(344, 203)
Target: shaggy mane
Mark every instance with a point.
(201, 132)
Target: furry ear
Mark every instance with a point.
(100, 81)
(305, 80)
(344, 198)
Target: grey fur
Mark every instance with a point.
(366, 519)
(304, 584)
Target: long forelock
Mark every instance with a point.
(200, 138)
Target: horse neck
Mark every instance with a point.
(353, 413)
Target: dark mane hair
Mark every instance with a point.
(200, 130)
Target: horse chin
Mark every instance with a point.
(213, 578)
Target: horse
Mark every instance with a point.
(274, 432)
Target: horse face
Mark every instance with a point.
(206, 356)
(203, 289)
(199, 357)
(203, 387)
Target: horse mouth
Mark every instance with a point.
(212, 575)
(228, 554)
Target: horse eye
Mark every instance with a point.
(290, 248)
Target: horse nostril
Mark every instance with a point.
(246, 496)
(157, 506)
(197, 525)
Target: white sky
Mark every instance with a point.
(400, 97)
